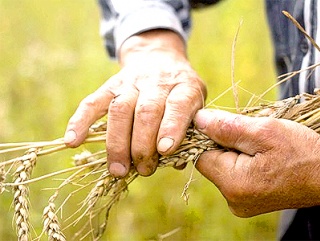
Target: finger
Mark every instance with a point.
(181, 105)
(246, 134)
(229, 171)
(148, 115)
(215, 165)
(120, 122)
(233, 175)
(90, 109)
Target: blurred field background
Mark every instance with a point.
(51, 56)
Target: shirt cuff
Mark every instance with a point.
(144, 18)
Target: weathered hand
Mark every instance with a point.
(150, 103)
(272, 164)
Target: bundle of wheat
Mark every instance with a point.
(90, 172)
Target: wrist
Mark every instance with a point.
(153, 45)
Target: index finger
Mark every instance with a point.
(90, 109)
(181, 105)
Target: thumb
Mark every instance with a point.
(243, 133)
(90, 109)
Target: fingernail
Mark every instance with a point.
(144, 170)
(165, 144)
(201, 120)
(70, 136)
(117, 169)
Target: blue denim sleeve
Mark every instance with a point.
(124, 18)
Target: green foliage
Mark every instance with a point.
(52, 56)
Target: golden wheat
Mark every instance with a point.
(51, 224)
(90, 172)
(21, 193)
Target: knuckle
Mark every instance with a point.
(88, 102)
(231, 125)
(114, 149)
(182, 100)
(267, 123)
(194, 81)
(227, 126)
(182, 108)
(149, 111)
(191, 95)
(175, 120)
(120, 108)
(267, 128)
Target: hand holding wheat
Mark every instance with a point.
(270, 164)
(90, 172)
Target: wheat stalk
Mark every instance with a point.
(21, 194)
(51, 224)
(109, 187)
(105, 190)
(195, 142)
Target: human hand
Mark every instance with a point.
(273, 164)
(150, 103)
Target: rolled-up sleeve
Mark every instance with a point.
(124, 18)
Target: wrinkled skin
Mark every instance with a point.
(150, 103)
(274, 165)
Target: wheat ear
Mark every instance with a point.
(51, 224)
(21, 194)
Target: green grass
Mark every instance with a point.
(51, 56)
